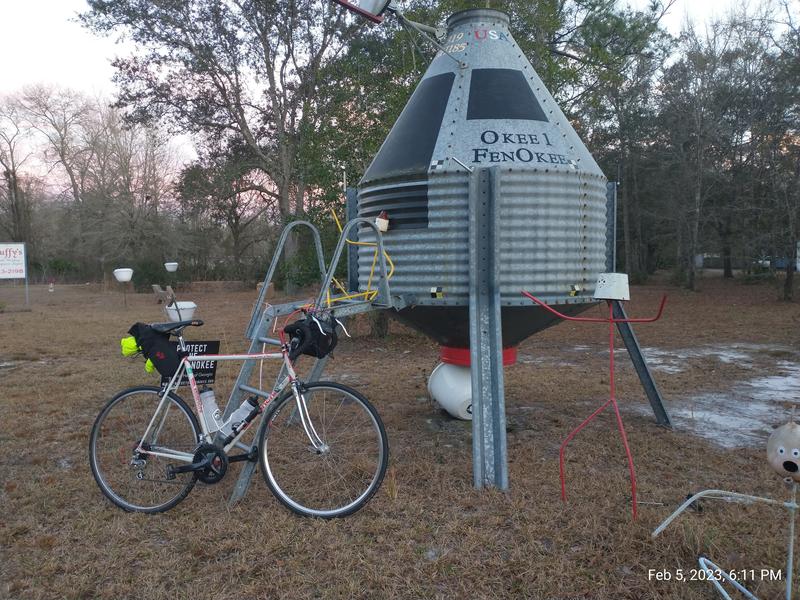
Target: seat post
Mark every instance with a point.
(181, 341)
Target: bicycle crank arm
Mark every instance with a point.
(251, 456)
(199, 466)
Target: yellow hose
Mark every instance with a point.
(369, 294)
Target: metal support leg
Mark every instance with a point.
(611, 226)
(790, 548)
(316, 370)
(489, 453)
(246, 474)
(640, 364)
(352, 251)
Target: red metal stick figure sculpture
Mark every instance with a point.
(611, 287)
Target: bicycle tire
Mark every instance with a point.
(303, 479)
(141, 484)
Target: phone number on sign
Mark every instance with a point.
(715, 575)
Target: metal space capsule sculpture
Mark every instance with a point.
(481, 104)
(487, 190)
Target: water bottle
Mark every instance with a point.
(239, 415)
(211, 413)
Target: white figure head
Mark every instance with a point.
(783, 451)
(612, 286)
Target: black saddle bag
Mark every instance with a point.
(157, 347)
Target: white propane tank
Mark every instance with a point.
(451, 386)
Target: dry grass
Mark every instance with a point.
(428, 533)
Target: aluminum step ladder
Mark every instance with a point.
(263, 316)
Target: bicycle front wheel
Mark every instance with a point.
(338, 479)
(137, 481)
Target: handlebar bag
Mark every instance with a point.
(157, 347)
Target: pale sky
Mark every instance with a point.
(698, 11)
(41, 44)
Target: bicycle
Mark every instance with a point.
(322, 450)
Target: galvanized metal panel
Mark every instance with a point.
(550, 240)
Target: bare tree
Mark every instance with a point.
(60, 116)
(15, 203)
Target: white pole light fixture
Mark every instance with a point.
(123, 275)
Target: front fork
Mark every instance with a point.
(320, 447)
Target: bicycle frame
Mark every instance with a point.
(155, 425)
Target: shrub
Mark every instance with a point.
(60, 267)
(148, 272)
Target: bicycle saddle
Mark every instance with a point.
(171, 327)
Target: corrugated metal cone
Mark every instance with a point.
(494, 112)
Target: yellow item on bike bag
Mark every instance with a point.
(129, 346)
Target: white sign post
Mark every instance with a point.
(14, 265)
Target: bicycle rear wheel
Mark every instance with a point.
(137, 481)
(338, 480)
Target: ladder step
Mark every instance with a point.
(269, 340)
(339, 300)
(252, 390)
